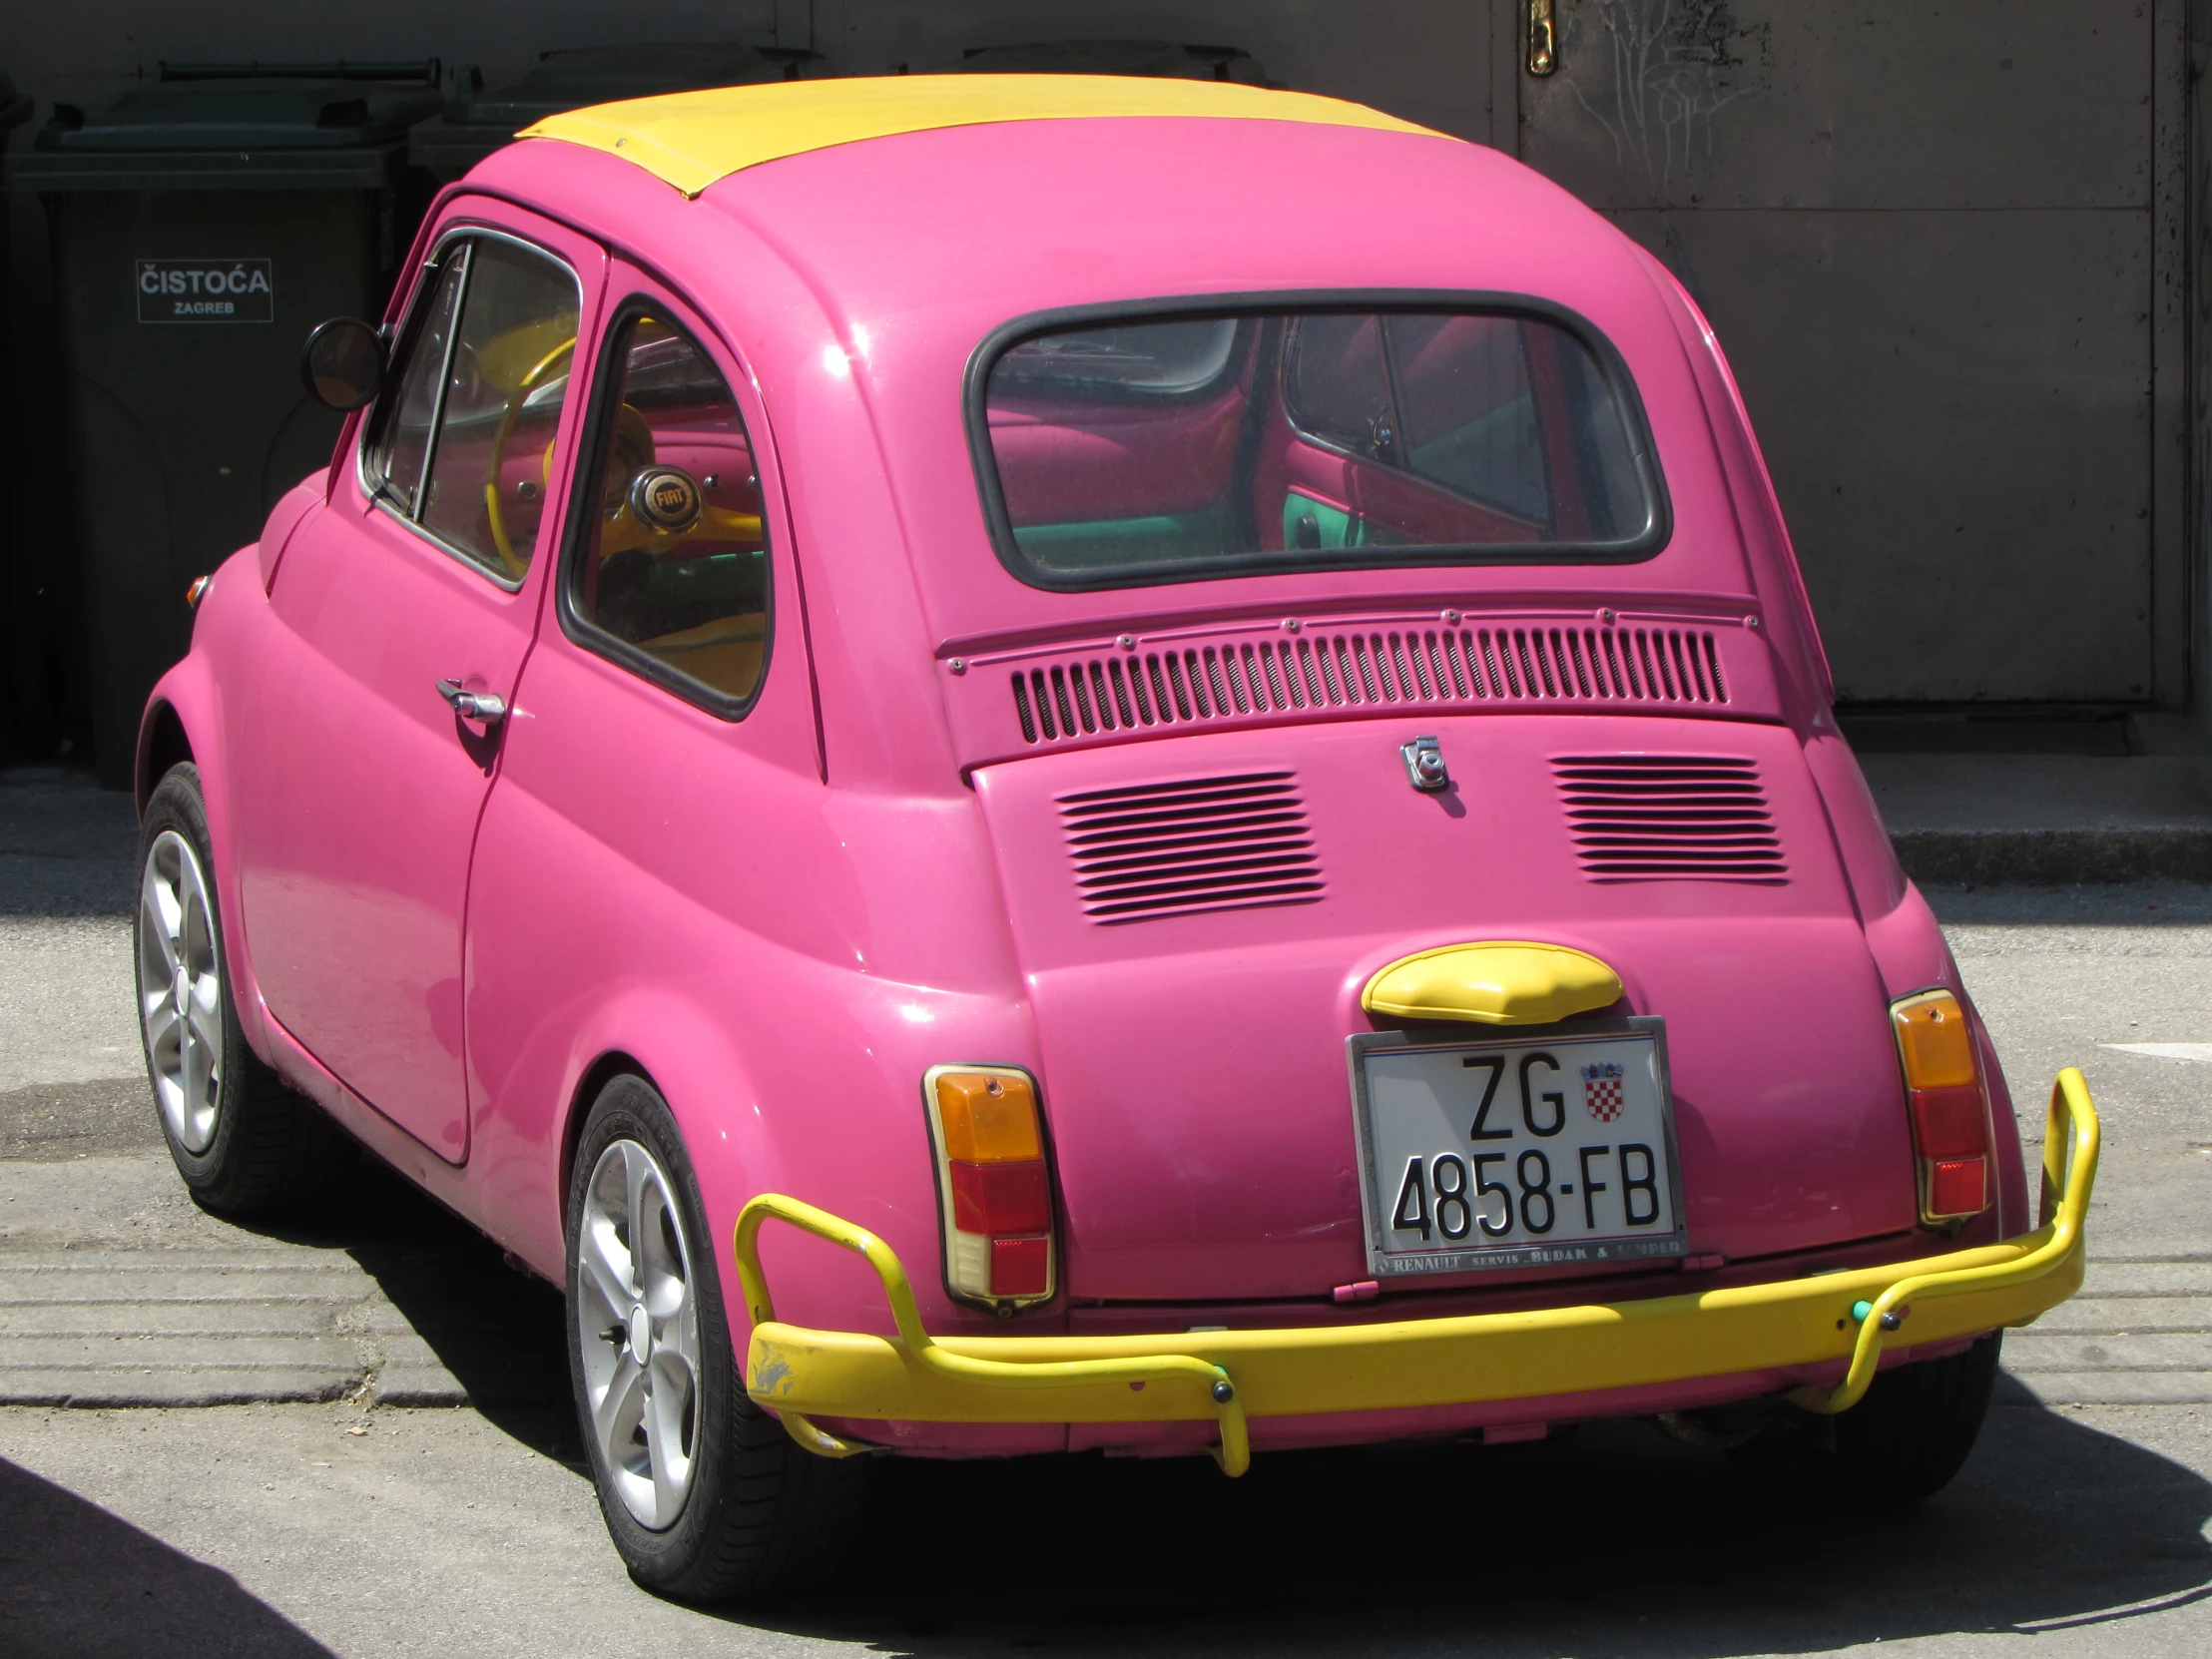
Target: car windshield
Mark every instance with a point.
(1146, 450)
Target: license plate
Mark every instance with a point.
(1528, 1152)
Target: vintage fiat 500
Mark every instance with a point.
(1018, 764)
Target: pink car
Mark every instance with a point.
(1031, 764)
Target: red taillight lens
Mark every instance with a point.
(995, 1185)
(1001, 1199)
(1022, 1266)
(1950, 1111)
(1958, 1187)
(1949, 1123)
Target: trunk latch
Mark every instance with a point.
(1424, 765)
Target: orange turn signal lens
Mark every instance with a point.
(1933, 1042)
(988, 1117)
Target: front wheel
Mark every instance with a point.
(705, 1495)
(244, 1142)
(1903, 1442)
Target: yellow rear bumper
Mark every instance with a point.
(1231, 1375)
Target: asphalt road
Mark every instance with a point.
(345, 1525)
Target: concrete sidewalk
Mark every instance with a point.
(116, 1290)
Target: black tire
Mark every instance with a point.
(762, 1517)
(1900, 1444)
(272, 1150)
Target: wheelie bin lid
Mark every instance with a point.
(1168, 59)
(482, 118)
(236, 126)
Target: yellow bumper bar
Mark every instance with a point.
(1232, 1375)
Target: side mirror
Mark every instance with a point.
(343, 363)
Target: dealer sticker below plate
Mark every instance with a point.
(1520, 1152)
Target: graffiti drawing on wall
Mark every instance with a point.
(1660, 71)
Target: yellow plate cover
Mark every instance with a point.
(691, 139)
(1508, 982)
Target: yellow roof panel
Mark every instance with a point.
(691, 139)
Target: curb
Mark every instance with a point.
(2056, 857)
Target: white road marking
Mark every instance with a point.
(2201, 1052)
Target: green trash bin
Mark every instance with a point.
(200, 225)
(18, 653)
(479, 120)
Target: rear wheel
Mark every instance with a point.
(244, 1142)
(1903, 1442)
(705, 1495)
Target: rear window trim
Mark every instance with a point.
(1612, 366)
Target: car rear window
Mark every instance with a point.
(1123, 452)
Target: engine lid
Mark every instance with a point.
(1197, 918)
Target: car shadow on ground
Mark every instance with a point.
(1610, 1538)
(1613, 1539)
(75, 1579)
(497, 1329)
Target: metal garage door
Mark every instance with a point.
(1943, 252)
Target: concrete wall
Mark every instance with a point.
(1942, 246)
(1427, 59)
(1809, 225)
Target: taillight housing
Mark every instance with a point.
(994, 1187)
(1949, 1108)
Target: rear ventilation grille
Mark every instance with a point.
(1438, 667)
(1205, 843)
(1646, 818)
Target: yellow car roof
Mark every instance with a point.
(691, 139)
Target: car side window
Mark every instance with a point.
(467, 451)
(1335, 386)
(1469, 409)
(672, 573)
(399, 442)
(1457, 398)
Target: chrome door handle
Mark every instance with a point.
(487, 706)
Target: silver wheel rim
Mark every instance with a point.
(179, 990)
(637, 1326)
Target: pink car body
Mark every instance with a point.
(784, 920)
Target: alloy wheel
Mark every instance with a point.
(179, 990)
(636, 1317)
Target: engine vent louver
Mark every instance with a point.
(1200, 843)
(1398, 668)
(1661, 817)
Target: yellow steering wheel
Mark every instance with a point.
(518, 567)
(624, 529)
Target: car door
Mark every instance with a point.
(669, 757)
(407, 607)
